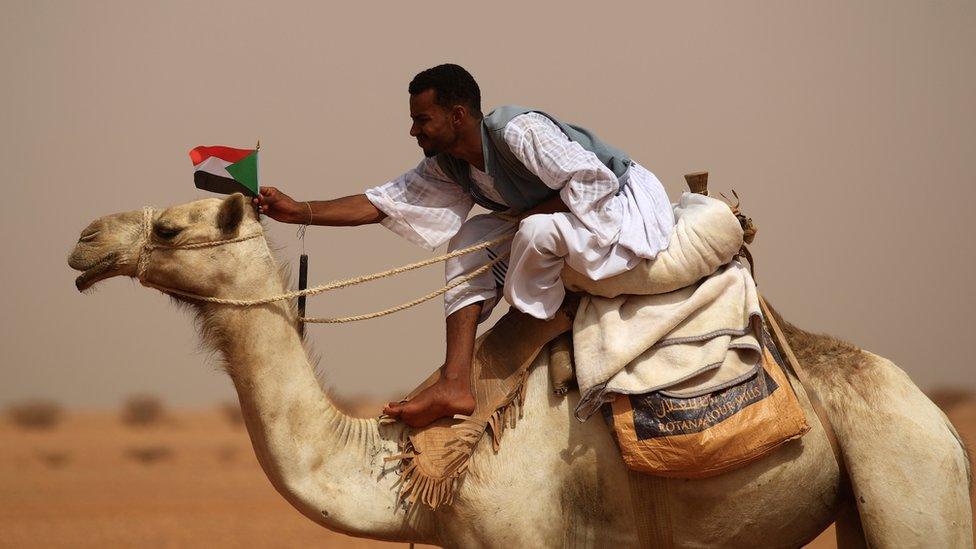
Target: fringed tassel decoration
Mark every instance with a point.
(417, 486)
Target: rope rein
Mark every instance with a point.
(149, 246)
(407, 305)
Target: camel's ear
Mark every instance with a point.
(231, 213)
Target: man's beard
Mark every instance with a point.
(434, 148)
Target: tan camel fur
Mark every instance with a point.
(554, 482)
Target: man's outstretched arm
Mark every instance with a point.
(346, 211)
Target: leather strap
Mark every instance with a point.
(801, 376)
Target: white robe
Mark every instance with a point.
(604, 234)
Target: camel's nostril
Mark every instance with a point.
(91, 231)
(88, 236)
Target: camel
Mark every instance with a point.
(554, 481)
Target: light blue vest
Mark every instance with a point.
(521, 188)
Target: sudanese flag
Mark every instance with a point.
(225, 170)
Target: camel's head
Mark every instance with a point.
(209, 247)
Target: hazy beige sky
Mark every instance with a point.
(848, 128)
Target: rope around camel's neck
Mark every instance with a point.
(148, 247)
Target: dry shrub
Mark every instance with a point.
(147, 455)
(36, 414)
(141, 410)
(54, 459)
(227, 453)
(232, 413)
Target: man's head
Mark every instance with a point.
(443, 100)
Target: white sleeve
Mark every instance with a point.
(585, 184)
(423, 205)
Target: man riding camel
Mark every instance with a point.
(581, 202)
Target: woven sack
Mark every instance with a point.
(703, 436)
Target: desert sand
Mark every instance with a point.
(189, 479)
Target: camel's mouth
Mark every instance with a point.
(94, 271)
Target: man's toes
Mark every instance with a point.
(393, 409)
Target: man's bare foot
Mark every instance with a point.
(444, 398)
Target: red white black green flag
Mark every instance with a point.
(225, 170)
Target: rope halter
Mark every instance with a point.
(149, 246)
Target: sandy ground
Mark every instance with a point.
(191, 480)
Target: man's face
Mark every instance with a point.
(432, 126)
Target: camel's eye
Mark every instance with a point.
(166, 232)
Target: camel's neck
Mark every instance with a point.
(328, 465)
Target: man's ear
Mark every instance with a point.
(458, 113)
(231, 213)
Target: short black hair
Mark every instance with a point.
(453, 86)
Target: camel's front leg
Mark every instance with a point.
(907, 467)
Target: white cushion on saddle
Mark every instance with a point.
(706, 236)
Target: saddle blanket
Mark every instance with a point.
(687, 342)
